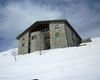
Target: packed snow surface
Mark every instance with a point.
(74, 63)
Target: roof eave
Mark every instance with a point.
(43, 22)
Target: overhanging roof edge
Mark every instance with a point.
(47, 21)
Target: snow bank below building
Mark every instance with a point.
(74, 63)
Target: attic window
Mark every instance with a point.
(34, 37)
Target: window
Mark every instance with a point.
(23, 44)
(56, 26)
(23, 38)
(57, 34)
(34, 37)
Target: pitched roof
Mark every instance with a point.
(47, 22)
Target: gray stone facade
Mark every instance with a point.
(37, 41)
(59, 41)
(47, 35)
(23, 44)
(73, 40)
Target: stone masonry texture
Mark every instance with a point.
(38, 43)
(61, 40)
(23, 40)
(61, 36)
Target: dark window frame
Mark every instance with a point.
(57, 34)
(56, 27)
(34, 37)
(23, 44)
(23, 38)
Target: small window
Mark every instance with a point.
(23, 44)
(23, 38)
(34, 37)
(56, 26)
(57, 34)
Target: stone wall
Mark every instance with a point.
(73, 39)
(59, 41)
(38, 43)
(23, 44)
(61, 36)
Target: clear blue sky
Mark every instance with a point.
(18, 15)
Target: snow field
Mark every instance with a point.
(74, 63)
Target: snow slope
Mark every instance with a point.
(74, 63)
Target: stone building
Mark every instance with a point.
(47, 35)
